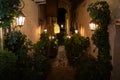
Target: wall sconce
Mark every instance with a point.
(92, 25)
(20, 19)
(45, 30)
(76, 31)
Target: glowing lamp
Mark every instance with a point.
(45, 30)
(62, 26)
(69, 36)
(76, 31)
(92, 26)
(20, 19)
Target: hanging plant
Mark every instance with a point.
(8, 9)
(100, 13)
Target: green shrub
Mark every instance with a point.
(41, 55)
(100, 13)
(42, 46)
(7, 65)
(75, 47)
(41, 65)
(17, 43)
(87, 68)
(60, 37)
(53, 48)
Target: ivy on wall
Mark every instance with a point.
(100, 13)
(8, 9)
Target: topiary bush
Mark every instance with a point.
(100, 13)
(76, 46)
(42, 46)
(41, 56)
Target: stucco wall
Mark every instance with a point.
(83, 20)
(31, 27)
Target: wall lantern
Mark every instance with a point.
(76, 31)
(92, 25)
(20, 19)
(45, 30)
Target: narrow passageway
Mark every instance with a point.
(60, 68)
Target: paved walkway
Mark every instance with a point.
(60, 68)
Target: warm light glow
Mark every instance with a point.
(92, 26)
(76, 31)
(45, 30)
(62, 26)
(20, 20)
(82, 31)
(1, 38)
(39, 30)
(69, 36)
(51, 37)
(56, 28)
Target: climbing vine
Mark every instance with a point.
(100, 13)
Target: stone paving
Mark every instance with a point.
(60, 69)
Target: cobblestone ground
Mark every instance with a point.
(60, 69)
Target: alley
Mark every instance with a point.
(60, 68)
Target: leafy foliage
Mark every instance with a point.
(87, 68)
(42, 46)
(100, 13)
(76, 46)
(8, 9)
(17, 43)
(7, 65)
(53, 47)
(41, 52)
